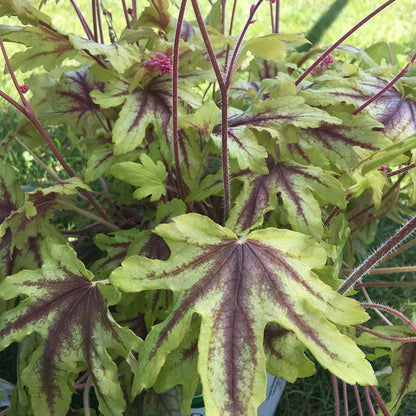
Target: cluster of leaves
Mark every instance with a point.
(209, 228)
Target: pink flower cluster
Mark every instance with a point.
(383, 168)
(160, 63)
(24, 88)
(326, 63)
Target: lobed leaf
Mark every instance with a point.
(70, 314)
(148, 177)
(237, 286)
(396, 113)
(303, 190)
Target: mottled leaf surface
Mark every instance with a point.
(70, 97)
(238, 285)
(302, 189)
(332, 145)
(70, 313)
(142, 107)
(46, 47)
(395, 112)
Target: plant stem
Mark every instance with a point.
(387, 87)
(379, 401)
(378, 255)
(73, 207)
(38, 161)
(345, 395)
(175, 64)
(386, 270)
(84, 23)
(126, 14)
(86, 397)
(336, 394)
(393, 311)
(28, 112)
(387, 337)
(339, 41)
(401, 170)
(368, 400)
(358, 400)
(385, 284)
(377, 311)
(236, 51)
(277, 17)
(224, 109)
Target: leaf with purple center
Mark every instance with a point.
(237, 286)
(70, 313)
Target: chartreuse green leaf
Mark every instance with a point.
(285, 354)
(24, 10)
(147, 176)
(145, 105)
(303, 190)
(395, 112)
(237, 286)
(46, 46)
(70, 314)
(403, 361)
(121, 55)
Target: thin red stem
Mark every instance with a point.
(379, 401)
(345, 395)
(336, 394)
(126, 14)
(339, 41)
(277, 17)
(236, 51)
(369, 402)
(392, 311)
(387, 337)
(84, 23)
(378, 255)
(387, 87)
(175, 64)
(358, 400)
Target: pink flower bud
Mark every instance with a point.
(161, 63)
(24, 88)
(383, 168)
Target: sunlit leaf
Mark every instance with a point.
(302, 189)
(395, 112)
(147, 176)
(70, 313)
(238, 285)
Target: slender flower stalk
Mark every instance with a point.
(368, 400)
(175, 70)
(387, 87)
(236, 52)
(379, 401)
(378, 255)
(28, 112)
(387, 337)
(336, 394)
(224, 109)
(385, 308)
(87, 30)
(358, 400)
(340, 40)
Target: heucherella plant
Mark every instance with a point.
(221, 188)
